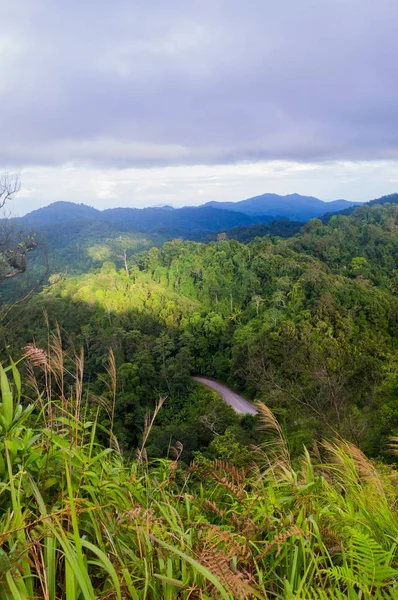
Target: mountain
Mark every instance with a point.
(190, 221)
(389, 199)
(59, 212)
(76, 237)
(182, 221)
(283, 228)
(292, 206)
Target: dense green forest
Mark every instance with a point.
(218, 504)
(246, 233)
(74, 238)
(308, 324)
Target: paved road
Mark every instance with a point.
(237, 402)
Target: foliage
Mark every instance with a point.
(281, 227)
(79, 521)
(120, 477)
(15, 243)
(308, 323)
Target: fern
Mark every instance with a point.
(369, 565)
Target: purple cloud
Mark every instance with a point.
(140, 84)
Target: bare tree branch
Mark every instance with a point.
(9, 186)
(15, 244)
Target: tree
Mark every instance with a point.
(15, 244)
(9, 186)
(257, 299)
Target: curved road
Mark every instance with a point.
(237, 402)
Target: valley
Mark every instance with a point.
(198, 300)
(209, 386)
(306, 322)
(73, 238)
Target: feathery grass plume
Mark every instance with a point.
(38, 358)
(357, 486)
(79, 521)
(393, 445)
(112, 384)
(56, 354)
(148, 424)
(79, 374)
(176, 451)
(354, 467)
(275, 451)
(109, 404)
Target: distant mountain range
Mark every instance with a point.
(187, 221)
(212, 216)
(75, 237)
(292, 206)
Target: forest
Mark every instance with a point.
(99, 410)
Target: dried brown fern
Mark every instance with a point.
(280, 539)
(221, 566)
(228, 476)
(233, 545)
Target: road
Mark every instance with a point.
(237, 402)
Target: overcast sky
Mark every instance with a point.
(135, 103)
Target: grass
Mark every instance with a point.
(79, 522)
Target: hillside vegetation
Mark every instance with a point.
(74, 238)
(308, 324)
(126, 479)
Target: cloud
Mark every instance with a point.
(193, 185)
(137, 103)
(135, 84)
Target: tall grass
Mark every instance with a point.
(79, 522)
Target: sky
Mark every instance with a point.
(134, 103)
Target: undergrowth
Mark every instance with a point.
(77, 521)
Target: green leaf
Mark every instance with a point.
(6, 408)
(17, 379)
(200, 568)
(106, 564)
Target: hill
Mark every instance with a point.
(246, 233)
(75, 237)
(307, 324)
(60, 212)
(292, 206)
(389, 199)
(182, 221)
(310, 322)
(187, 222)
